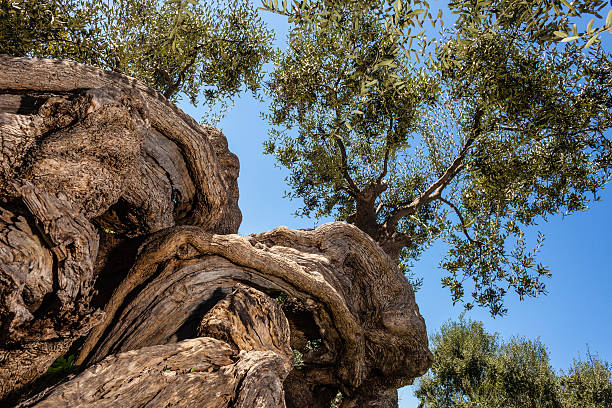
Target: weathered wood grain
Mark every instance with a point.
(241, 362)
(348, 294)
(83, 153)
(112, 197)
(23, 75)
(201, 372)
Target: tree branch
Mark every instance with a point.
(342, 148)
(164, 74)
(386, 161)
(181, 76)
(380, 206)
(435, 190)
(345, 172)
(349, 191)
(194, 57)
(461, 219)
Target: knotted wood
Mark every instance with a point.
(341, 290)
(239, 364)
(118, 216)
(91, 162)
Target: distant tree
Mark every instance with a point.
(588, 384)
(473, 368)
(211, 49)
(471, 140)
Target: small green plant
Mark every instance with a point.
(109, 231)
(59, 371)
(61, 365)
(298, 360)
(313, 345)
(282, 298)
(337, 401)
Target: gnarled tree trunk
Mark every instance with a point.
(118, 216)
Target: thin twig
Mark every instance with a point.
(461, 219)
(386, 160)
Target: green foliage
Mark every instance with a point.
(281, 298)
(61, 368)
(342, 87)
(547, 20)
(45, 28)
(499, 130)
(542, 149)
(62, 364)
(109, 231)
(298, 359)
(179, 47)
(313, 345)
(337, 401)
(588, 384)
(473, 368)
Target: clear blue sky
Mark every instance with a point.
(576, 313)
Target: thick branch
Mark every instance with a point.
(345, 172)
(434, 190)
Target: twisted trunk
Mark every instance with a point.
(118, 216)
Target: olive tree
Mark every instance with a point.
(587, 384)
(181, 48)
(475, 368)
(473, 138)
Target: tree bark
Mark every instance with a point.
(236, 364)
(118, 216)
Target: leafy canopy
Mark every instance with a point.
(469, 139)
(474, 368)
(588, 384)
(493, 129)
(212, 49)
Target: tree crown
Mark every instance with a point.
(475, 368)
(210, 50)
(497, 130)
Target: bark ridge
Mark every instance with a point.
(118, 222)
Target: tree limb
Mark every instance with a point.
(380, 206)
(349, 191)
(461, 219)
(386, 160)
(434, 190)
(345, 172)
(181, 76)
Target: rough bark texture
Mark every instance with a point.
(244, 369)
(118, 216)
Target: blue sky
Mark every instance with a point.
(573, 317)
